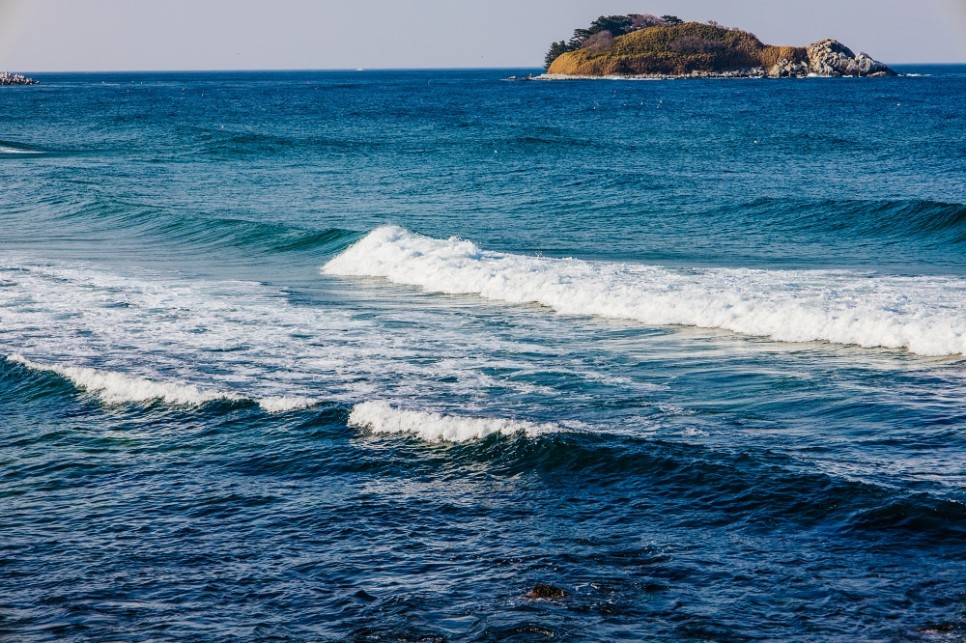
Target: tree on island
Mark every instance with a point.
(601, 41)
(557, 48)
(641, 21)
(616, 25)
(602, 31)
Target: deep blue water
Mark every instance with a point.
(370, 355)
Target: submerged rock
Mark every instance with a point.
(546, 592)
(939, 628)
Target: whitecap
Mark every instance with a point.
(383, 418)
(923, 314)
(6, 149)
(114, 388)
(285, 403)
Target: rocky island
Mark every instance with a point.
(647, 46)
(6, 78)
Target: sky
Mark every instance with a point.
(143, 35)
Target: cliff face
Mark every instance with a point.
(702, 50)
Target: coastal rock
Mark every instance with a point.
(832, 58)
(787, 68)
(6, 78)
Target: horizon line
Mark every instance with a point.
(347, 69)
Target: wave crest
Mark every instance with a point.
(114, 388)
(926, 314)
(382, 418)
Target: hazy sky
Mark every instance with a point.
(97, 35)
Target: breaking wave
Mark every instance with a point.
(382, 418)
(285, 403)
(923, 314)
(15, 148)
(114, 388)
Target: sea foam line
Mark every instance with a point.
(924, 314)
(114, 388)
(6, 149)
(383, 418)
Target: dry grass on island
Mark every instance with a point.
(643, 45)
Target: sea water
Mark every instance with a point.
(371, 355)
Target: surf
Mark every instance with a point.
(382, 418)
(114, 388)
(925, 315)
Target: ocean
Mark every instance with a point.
(442, 356)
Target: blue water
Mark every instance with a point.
(371, 355)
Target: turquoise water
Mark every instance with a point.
(370, 355)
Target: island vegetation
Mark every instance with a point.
(665, 46)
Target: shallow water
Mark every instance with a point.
(369, 356)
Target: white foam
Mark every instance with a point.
(924, 314)
(382, 418)
(249, 339)
(6, 149)
(285, 403)
(115, 388)
(118, 388)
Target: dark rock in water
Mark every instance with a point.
(939, 628)
(363, 595)
(546, 592)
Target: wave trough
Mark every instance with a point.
(923, 314)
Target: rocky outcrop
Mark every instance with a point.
(789, 68)
(699, 50)
(832, 58)
(6, 78)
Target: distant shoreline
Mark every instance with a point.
(519, 70)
